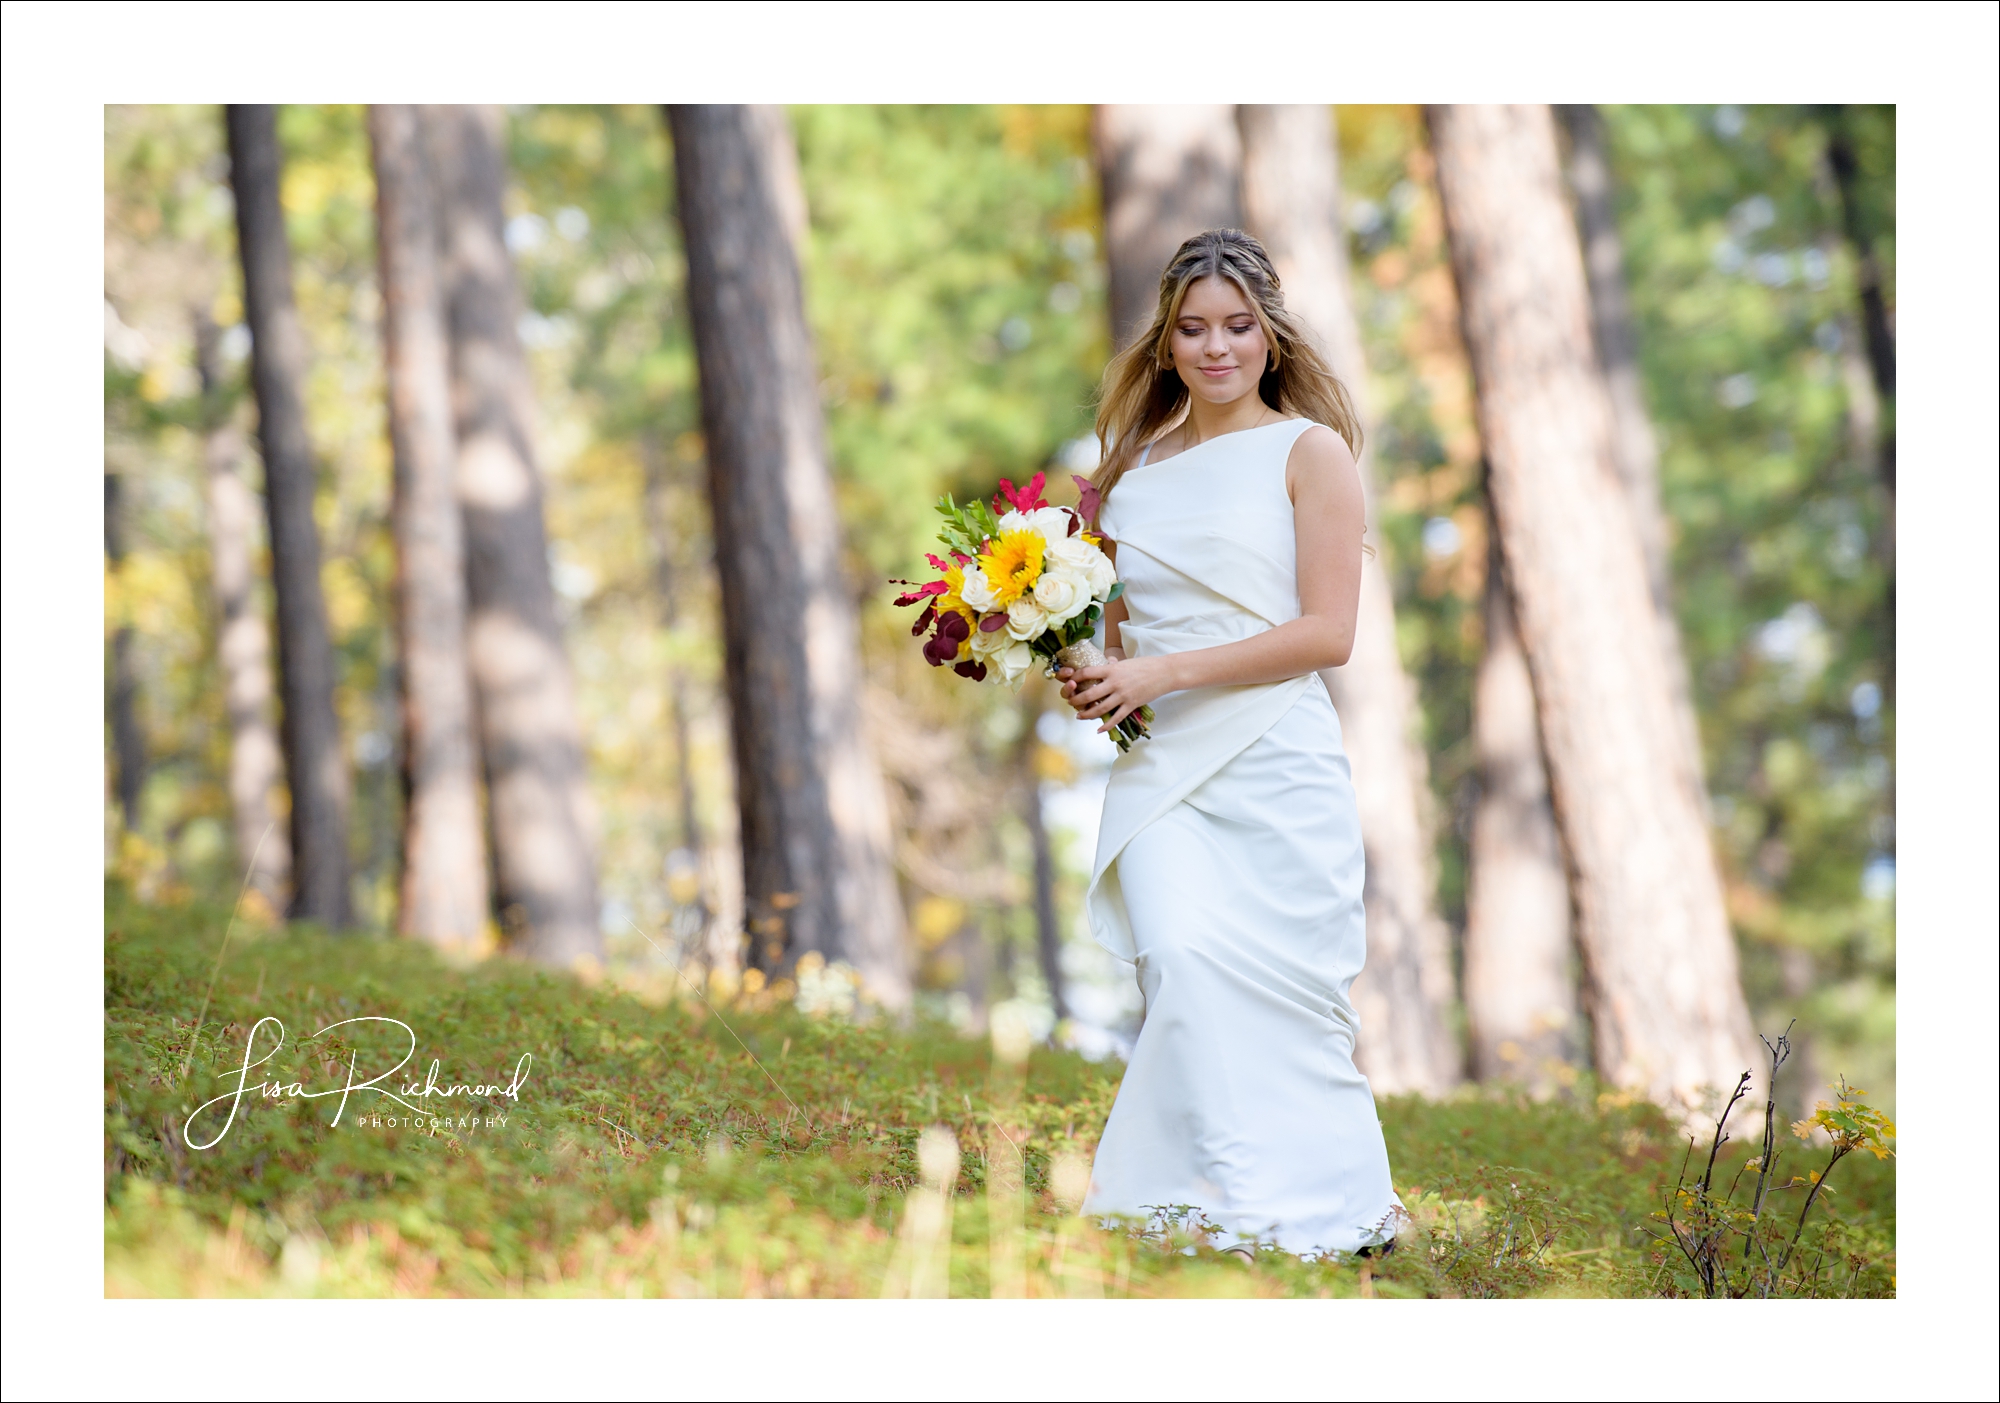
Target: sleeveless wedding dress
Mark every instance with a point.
(1229, 871)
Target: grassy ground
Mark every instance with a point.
(647, 1153)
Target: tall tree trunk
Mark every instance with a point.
(815, 820)
(1667, 1002)
(314, 762)
(1879, 338)
(243, 644)
(537, 790)
(1291, 201)
(1048, 928)
(1520, 990)
(128, 741)
(1635, 450)
(1871, 414)
(667, 585)
(1168, 172)
(443, 895)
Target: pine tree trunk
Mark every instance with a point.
(1879, 338)
(1634, 448)
(443, 896)
(538, 798)
(1520, 985)
(1168, 172)
(315, 764)
(243, 644)
(128, 740)
(815, 820)
(1291, 201)
(1048, 926)
(667, 584)
(1666, 999)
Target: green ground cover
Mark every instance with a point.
(649, 1153)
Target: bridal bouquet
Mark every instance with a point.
(1020, 580)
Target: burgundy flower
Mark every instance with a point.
(969, 668)
(952, 630)
(1089, 499)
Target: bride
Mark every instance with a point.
(1229, 863)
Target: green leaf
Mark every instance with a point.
(1117, 588)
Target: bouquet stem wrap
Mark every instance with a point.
(1085, 653)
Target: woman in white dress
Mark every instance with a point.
(1229, 863)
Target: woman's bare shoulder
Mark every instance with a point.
(1319, 454)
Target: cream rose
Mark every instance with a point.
(977, 591)
(1026, 618)
(988, 644)
(1014, 664)
(1076, 556)
(1063, 593)
(1051, 522)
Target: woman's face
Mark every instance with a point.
(1217, 343)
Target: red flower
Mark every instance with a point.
(1023, 499)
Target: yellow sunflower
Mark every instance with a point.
(1012, 564)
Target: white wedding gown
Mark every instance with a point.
(1229, 871)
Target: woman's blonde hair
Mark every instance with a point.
(1141, 393)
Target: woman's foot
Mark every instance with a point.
(1242, 1252)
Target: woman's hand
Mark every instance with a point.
(1112, 690)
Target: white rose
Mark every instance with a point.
(1063, 593)
(986, 646)
(1014, 664)
(1076, 556)
(1026, 619)
(1051, 522)
(976, 591)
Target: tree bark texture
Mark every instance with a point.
(315, 763)
(443, 895)
(1635, 449)
(1667, 1002)
(128, 740)
(1520, 987)
(1048, 926)
(243, 642)
(1167, 172)
(1879, 338)
(815, 822)
(538, 799)
(1291, 201)
(667, 584)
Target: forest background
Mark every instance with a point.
(957, 289)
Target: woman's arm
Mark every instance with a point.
(1114, 614)
(1325, 487)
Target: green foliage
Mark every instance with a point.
(648, 1153)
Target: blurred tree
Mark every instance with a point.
(1048, 929)
(1520, 979)
(1843, 158)
(243, 644)
(1291, 202)
(128, 741)
(1635, 449)
(443, 893)
(1666, 998)
(538, 802)
(816, 841)
(315, 762)
(1168, 172)
(668, 586)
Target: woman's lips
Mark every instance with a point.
(1216, 372)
